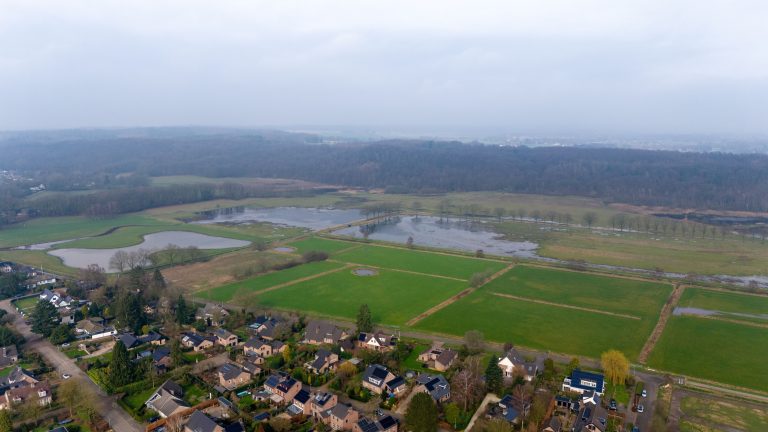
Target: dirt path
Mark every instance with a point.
(666, 312)
(455, 298)
(489, 399)
(293, 282)
(614, 314)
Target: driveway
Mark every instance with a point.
(118, 419)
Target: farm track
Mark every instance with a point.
(455, 298)
(398, 270)
(293, 282)
(666, 312)
(561, 305)
(733, 321)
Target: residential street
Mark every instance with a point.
(107, 407)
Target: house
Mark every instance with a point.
(324, 360)
(342, 417)
(17, 376)
(8, 355)
(383, 424)
(251, 368)
(232, 376)
(580, 381)
(39, 392)
(161, 359)
(590, 397)
(566, 403)
(555, 425)
(282, 387)
(264, 327)
(300, 404)
(322, 402)
(94, 328)
(322, 332)
(508, 411)
(213, 315)
(196, 341)
(153, 338)
(513, 361)
(6, 267)
(225, 338)
(438, 358)
(396, 386)
(129, 340)
(167, 400)
(436, 385)
(377, 342)
(199, 422)
(376, 377)
(262, 348)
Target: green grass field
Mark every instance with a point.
(628, 296)
(539, 326)
(705, 414)
(394, 297)
(27, 304)
(418, 261)
(43, 230)
(729, 302)
(322, 244)
(228, 292)
(715, 350)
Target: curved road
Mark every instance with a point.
(118, 419)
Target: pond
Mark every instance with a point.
(82, 258)
(709, 312)
(430, 231)
(303, 217)
(284, 249)
(364, 272)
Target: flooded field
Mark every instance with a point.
(82, 258)
(430, 231)
(310, 218)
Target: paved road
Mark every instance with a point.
(118, 419)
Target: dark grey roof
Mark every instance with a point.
(340, 410)
(128, 340)
(319, 330)
(254, 343)
(436, 385)
(150, 337)
(199, 422)
(395, 382)
(272, 381)
(230, 371)
(173, 388)
(302, 396)
(375, 373)
(367, 425)
(160, 354)
(387, 422)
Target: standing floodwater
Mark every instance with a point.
(312, 218)
(432, 232)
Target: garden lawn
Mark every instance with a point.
(226, 293)
(136, 400)
(322, 244)
(730, 302)
(394, 297)
(716, 350)
(540, 326)
(633, 297)
(27, 304)
(419, 261)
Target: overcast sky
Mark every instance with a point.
(544, 66)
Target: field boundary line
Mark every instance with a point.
(351, 248)
(292, 282)
(581, 308)
(399, 270)
(661, 324)
(455, 298)
(595, 273)
(728, 291)
(729, 320)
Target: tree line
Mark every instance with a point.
(644, 177)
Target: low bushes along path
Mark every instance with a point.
(666, 312)
(456, 297)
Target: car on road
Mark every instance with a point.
(645, 393)
(66, 376)
(65, 345)
(602, 420)
(635, 429)
(613, 406)
(640, 408)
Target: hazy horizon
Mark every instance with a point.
(591, 68)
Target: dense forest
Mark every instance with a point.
(661, 178)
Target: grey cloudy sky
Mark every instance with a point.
(606, 66)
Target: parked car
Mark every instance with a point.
(65, 345)
(645, 393)
(66, 376)
(602, 420)
(613, 406)
(640, 408)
